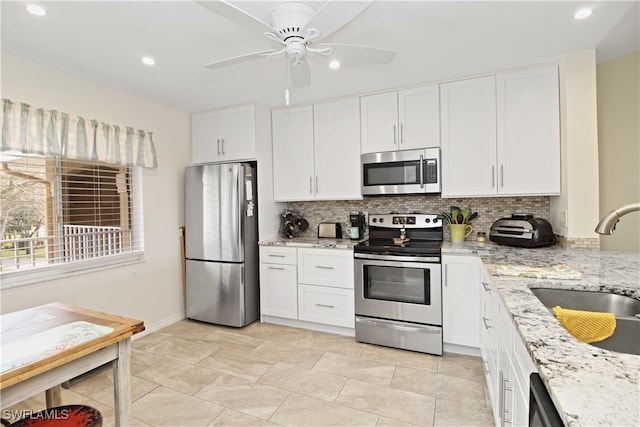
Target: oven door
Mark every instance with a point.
(396, 288)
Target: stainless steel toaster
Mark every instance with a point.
(522, 230)
(332, 230)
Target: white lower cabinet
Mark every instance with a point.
(307, 284)
(507, 364)
(461, 300)
(278, 282)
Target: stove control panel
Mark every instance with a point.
(405, 221)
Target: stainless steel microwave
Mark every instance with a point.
(401, 172)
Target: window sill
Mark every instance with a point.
(31, 276)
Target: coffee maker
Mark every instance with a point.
(358, 224)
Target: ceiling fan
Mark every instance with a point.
(297, 28)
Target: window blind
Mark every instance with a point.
(56, 211)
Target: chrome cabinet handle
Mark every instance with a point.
(486, 323)
(501, 397)
(218, 145)
(316, 183)
(446, 268)
(276, 268)
(493, 176)
(501, 175)
(324, 267)
(222, 139)
(505, 388)
(276, 255)
(421, 171)
(324, 305)
(310, 185)
(401, 133)
(395, 135)
(486, 286)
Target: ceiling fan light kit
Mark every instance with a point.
(296, 27)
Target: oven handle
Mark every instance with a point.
(431, 259)
(393, 325)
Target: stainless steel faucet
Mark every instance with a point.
(608, 222)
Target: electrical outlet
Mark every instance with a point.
(563, 218)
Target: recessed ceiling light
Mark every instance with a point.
(147, 60)
(36, 10)
(583, 13)
(335, 64)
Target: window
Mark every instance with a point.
(60, 216)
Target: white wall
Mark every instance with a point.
(619, 146)
(579, 147)
(150, 291)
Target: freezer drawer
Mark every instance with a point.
(216, 293)
(407, 336)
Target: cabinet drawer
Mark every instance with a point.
(277, 255)
(332, 306)
(326, 267)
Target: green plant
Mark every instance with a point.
(457, 215)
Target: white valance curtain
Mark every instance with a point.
(30, 130)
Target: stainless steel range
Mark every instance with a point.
(398, 298)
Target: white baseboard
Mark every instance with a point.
(163, 323)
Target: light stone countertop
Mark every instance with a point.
(311, 242)
(589, 386)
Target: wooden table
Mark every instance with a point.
(44, 346)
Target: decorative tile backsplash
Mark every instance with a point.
(489, 208)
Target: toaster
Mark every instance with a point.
(331, 230)
(522, 230)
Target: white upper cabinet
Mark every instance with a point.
(528, 132)
(224, 135)
(336, 132)
(501, 135)
(468, 144)
(316, 152)
(402, 120)
(293, 174)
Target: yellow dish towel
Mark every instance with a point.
(587, 326)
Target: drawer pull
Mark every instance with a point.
(486, 287)
(324, 305)
(324, 267)
(276, 255)
(486, 323)
(276, 268)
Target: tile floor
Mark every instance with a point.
(195, 374)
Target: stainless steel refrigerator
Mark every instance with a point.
(221, 243)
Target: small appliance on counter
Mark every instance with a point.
(522, 230)
(358, 223)
(331, 230)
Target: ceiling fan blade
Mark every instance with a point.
(239, 59)
(334, 15)
(300, 74)
(237, 15)
(351, 54)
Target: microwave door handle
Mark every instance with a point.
(421, 171)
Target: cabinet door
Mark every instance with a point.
(461, 300)
(468, 144)
(293, 174)
(337, 150)
(379, 122)
(239, 137)
(206, 129)
(528, 132)
(326, 267)
(278, 290)
(419, 117)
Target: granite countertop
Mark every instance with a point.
(311, 242)
(589, 386)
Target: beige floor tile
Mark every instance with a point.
(304, 381)
(150, 340)
(410, 359)
(248, 397)
(338, 344)
(456, 413)
(99, 387)
(244, 365)
(192, 329)
(179, 376)
(141, 360)
(276, 333)
(231, 340)
(361, 369)
(300, 410)
(389, 422)
(458, 365)
(438, 386)
(187, 350)
(287, 353)
(166, 407)
(400, 405)
(229, 417)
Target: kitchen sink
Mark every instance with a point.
(626, 338)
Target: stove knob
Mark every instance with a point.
(427, 220)
(381, 220)
(374, 220)
(436, 220)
